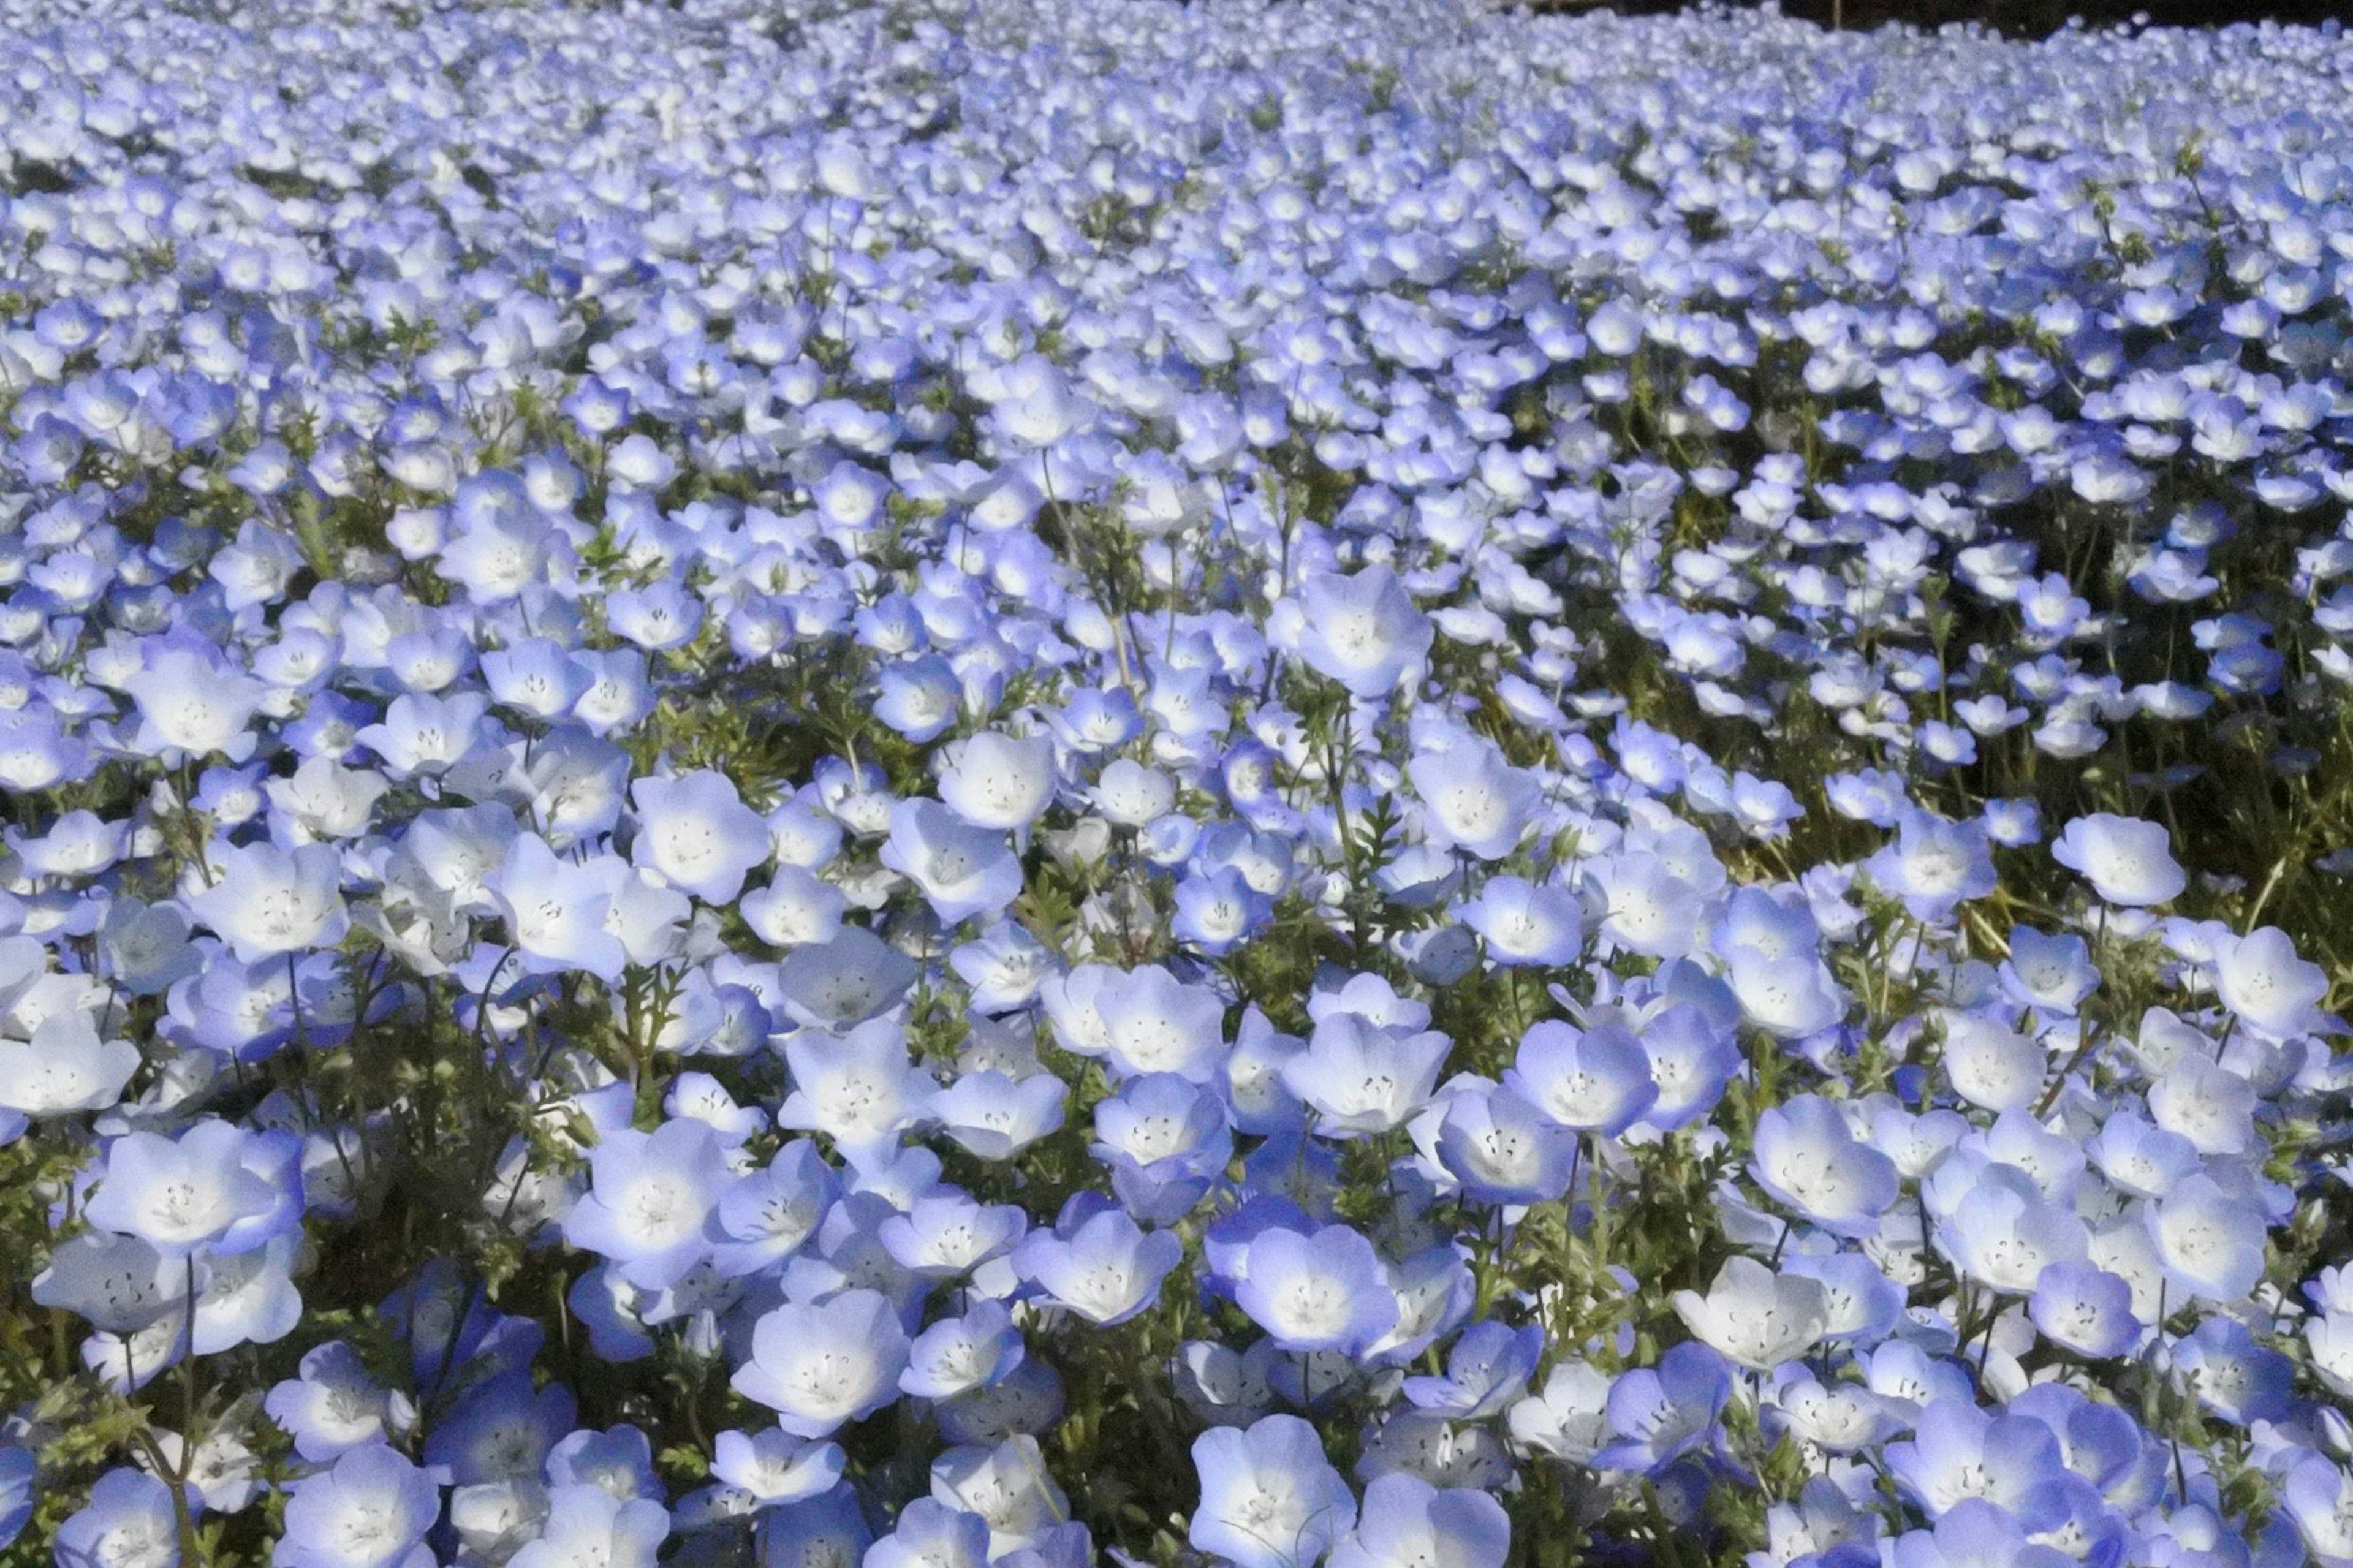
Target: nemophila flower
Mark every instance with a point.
(1787, 997)
(1659, 1414)
(2233, 1377)
(1838, 1418)
(819, 1366)
(1568, 1417)
(335, 1405)
(1958, 1452)
(2127, 861)
(997, 1116)
(648, 1200)
(2140, 1158)
(2210, 1243)
(1764, 807)
(1407, 1521)
(2054, 974)
(1152, 1022)
(425, 734)
(1755, 1316)
(144, 948)
(1693, 1060)
(129, 1522)
(2209, 1107)
(775, 1467)
(1130, 794)
(2082, 1308)
(919, 697)
(1991, 1066)
(571, 786)
(618, 696)
(816, 1532)
(2318, 1495)
(1860, 1303)
(945, 1233)
(190, 703)
(16, 1471)
(2019, 1144)
(1269, 1497)
(536, 676)
(370, 1510)
(1504, 1150)
(850, 978)
(1162, 1128)
(957, 1354)
(247, 1297)
(2328, 1345)
(1649, 909)
(1004, 967)
(2266, 985)
(963, 870)
(1222, 1386)
(1585, 1081)
(268, 900)
(64, 1069)
(1257, 1101)
(1823, 1524)
(763, 1215)
(1525, 922)
(1472, 799)
(1362, 630)
(1105, 1270)
(1095, 719)
(929, 1533)
(181, 1194)
(695, 832)
(1975, 1534)
(1320, 1292)
(2004, 1233)
(556, 911)
(1935, 865)
(1362, 1078)
(502, 1428)
(1218, 912)
(1009, 1484)
(1487, 1371)
(859, 1089)
(589, 1528)
(997, 781)
(120, 1284)
(703, 1098)
(1807, 1157)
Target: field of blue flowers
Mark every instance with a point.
(803, 784)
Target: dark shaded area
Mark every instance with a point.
(2022, 19)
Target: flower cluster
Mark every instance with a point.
(1103, 782)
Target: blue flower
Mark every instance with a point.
(1323, 1291)
(1105, 1270)
(1405, 1521)
(370, 1510)
(650, 1201)
(16, 1472)
(2086, 1310)
(1589, 1080)
(1807, 1157)
(1269, 1497)
(821, 1365)
(695, 832)
(129, 1520)
(1659, 1414)
(1959, 1455)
